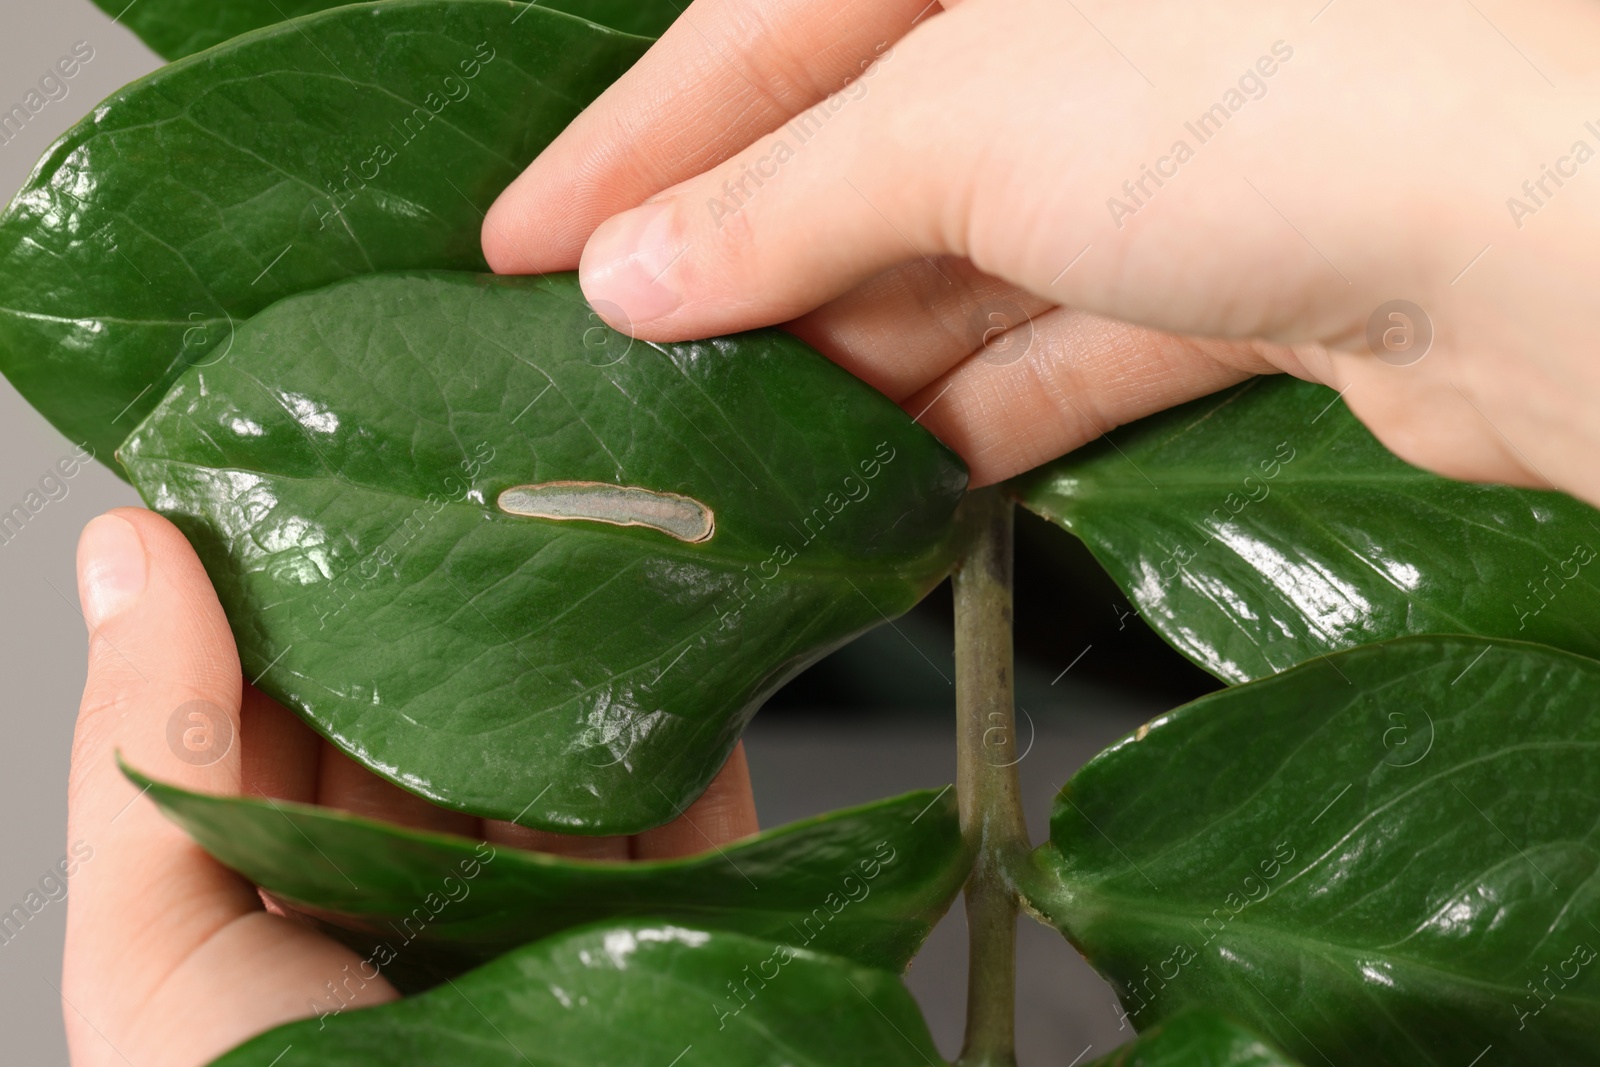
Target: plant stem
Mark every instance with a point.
(990, 803)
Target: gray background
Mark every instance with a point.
(41, 631)
(803, 763)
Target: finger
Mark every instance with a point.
(725, 812)
(725, 73)
(1065, 377)
(281, 755)
(572, 846)
(344, 784)
(907, 326)
(1428, 418)
(802, 215)
(163, 689)
(154, 925)
(279, 758)
(938, 150)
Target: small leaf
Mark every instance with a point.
(365, 138)
(344, 476)
(1389, 856)
(177, 28)
(633, 993)
(867, 883)
(1264, 526)
(1197, 1038)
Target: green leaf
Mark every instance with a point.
(361, 139)
(1197, 1038)
(359, 477)
(1263, 526)
(867, 883)
(177, 28)
(635, 993)
(1390, 856)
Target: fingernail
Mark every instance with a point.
(111, 569)
(627, 260)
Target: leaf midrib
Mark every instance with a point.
(899, 571)
(1216, 481)
(1268, 934)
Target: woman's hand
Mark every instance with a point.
(1249, 184)
(171, 958)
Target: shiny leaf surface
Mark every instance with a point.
(363, 476)
(1197, 1038)
(177, 28)
(866, 883)
(1263, 526)
(1389, 856)
(638, 993)
(360, 139)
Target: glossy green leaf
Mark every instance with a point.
(1197, 1038)
(356, 478)
(1389, 856)
(1263, 526)
(636, 993)
(867, 883)
(360, 139)
(177, 28)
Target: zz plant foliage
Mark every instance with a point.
(528, 568)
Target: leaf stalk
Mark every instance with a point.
(986, 776)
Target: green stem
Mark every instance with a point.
(986, 775)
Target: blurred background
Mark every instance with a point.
(875, 719)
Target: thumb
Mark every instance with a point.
(154, 925)
(161, 664)
(799, 217)
(158, 643)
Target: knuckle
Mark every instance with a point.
(100, 715)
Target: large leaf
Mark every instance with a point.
(177, 28)
(867, 883)
(1197, 1038)
(636, 993)
(1263, 526)
(1386, 857)
(359, 477)
(360, 139)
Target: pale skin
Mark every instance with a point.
(967, 166)
(172, 959)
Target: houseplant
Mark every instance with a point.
(441, 507)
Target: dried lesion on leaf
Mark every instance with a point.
(682, 517)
